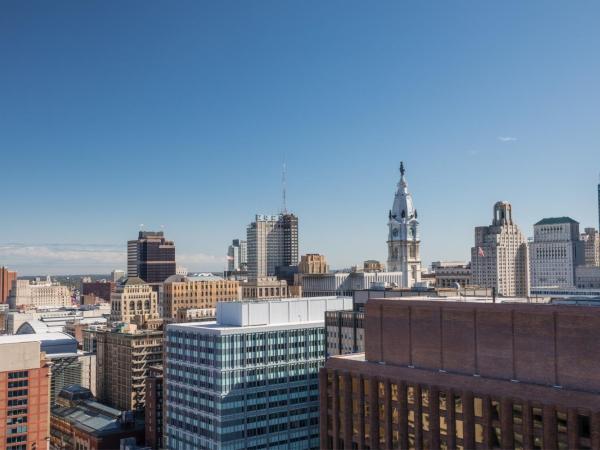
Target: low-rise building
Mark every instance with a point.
(264, 288)
(38, 293)
(345, 283)
(198, 293)
(587, 277)
(591, 244)
(134, 301)
(79, 422)
(449, 274)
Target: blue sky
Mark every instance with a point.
(181, 114)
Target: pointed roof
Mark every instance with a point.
(403, 203)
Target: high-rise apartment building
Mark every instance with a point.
(124, 357)
(181, 293)
(24, 395)
(133, 301)
(272, 244)
(403, 235)
(591, 247)
(459, 375)
(26, 293)
(499, 258)
(248, 380)
(6, 280)
(151, 257)
(555, 252)
(237, 256)
(117, 274)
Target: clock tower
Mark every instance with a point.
(403, 235)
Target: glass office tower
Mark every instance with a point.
(249, 380)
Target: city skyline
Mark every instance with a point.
(208, 101)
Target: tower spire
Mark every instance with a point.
(402, 168)
(283, 189)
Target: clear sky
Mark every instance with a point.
(180, 114)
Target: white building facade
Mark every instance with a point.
(499, 259)
(26, 293)
(403, 236)
(345, 283)
(555, 252)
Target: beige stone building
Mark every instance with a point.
(264, 288)
(371, 266)
(500, 258)
(198, 293)
(313, 263)
(124, 357)
(591, 245)
(134, 301)
(26, 293)
(448, 273)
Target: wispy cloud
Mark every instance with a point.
(506, 138)
(57, 259)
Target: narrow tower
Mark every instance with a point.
(403, 235)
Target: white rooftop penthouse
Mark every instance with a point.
(279, 312)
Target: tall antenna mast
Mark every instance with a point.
(283, 188)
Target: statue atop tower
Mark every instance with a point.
(403, 235)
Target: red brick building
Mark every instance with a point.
(466, 376)
(154, 407)
(6, 279)
(101, 289)
(24, 395)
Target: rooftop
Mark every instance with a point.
(556, 221)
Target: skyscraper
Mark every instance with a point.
(598, 206)
(555, 252)
(237, 254)
(499, 258)
(403, 235)
(272, 244)
(151, 257)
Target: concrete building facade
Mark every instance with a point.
(447, 274)
(404, 242)
(313, 263)
(272, 243)
(466, 376)
(264, 288)
(499, 259)
(124, 357)
(346, 283)
(591, 242)
(133, 301)
(555, 252)
(181, 293)
(38, 293)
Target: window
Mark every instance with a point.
(517, 414)
(537, 418)
(478, 406)
(478, 433)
